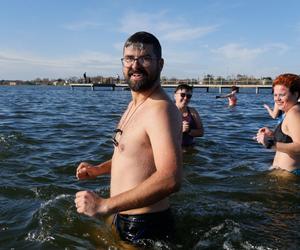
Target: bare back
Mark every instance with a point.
(232, 99)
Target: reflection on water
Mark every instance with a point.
(228, 200)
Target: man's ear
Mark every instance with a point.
(161, 63)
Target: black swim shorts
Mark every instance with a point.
(153, 226)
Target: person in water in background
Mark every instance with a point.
(232, 98)
(146, 166)
(191, 121)
(276, 113)
(285, 139)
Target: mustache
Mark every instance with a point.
(140, 71)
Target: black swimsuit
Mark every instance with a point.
(279, 136)
(187, 139)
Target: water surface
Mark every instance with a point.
(228, 200)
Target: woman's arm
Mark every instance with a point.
(226, 96)
(199, 131)
(273, 113)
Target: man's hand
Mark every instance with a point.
(89, 203)
(86, 171)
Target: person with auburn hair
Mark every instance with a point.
(285, 139)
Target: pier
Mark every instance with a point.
(93, 85)
(220, 87)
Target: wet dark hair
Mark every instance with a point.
(143, 37)
(291, 81)
(184, 86)
(234, 88)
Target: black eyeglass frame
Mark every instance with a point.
(145, 61)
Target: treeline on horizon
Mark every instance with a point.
(207, 79)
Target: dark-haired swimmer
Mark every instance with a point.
(285, 139)
(191, 121)
(146, 166)
(232, 99)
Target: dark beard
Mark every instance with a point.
(142, 85)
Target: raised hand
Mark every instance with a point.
(86, 171)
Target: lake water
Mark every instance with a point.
(228, 200)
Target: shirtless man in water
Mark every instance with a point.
(146, 166)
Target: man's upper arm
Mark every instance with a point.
(165, 138)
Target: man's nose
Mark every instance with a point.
(136, 64)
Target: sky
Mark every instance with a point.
(65, 38)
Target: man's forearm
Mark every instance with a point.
(104, 167)
(151, 191)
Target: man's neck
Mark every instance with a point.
(138, 97)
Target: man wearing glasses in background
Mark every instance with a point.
(191, 121)
(146, 166)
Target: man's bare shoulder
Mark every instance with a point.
(163, 106)
(163, 125)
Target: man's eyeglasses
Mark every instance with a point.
(114, 140)
(145, 61)
(188, 96)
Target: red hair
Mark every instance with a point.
(291, 81)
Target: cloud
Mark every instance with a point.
(241, 53)
(175, 30)
(96, 63)
(279, 48)
(189, 33)
(133, 22)
(83, 25)
(118, 46)
(86, 58)
(236, 51)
